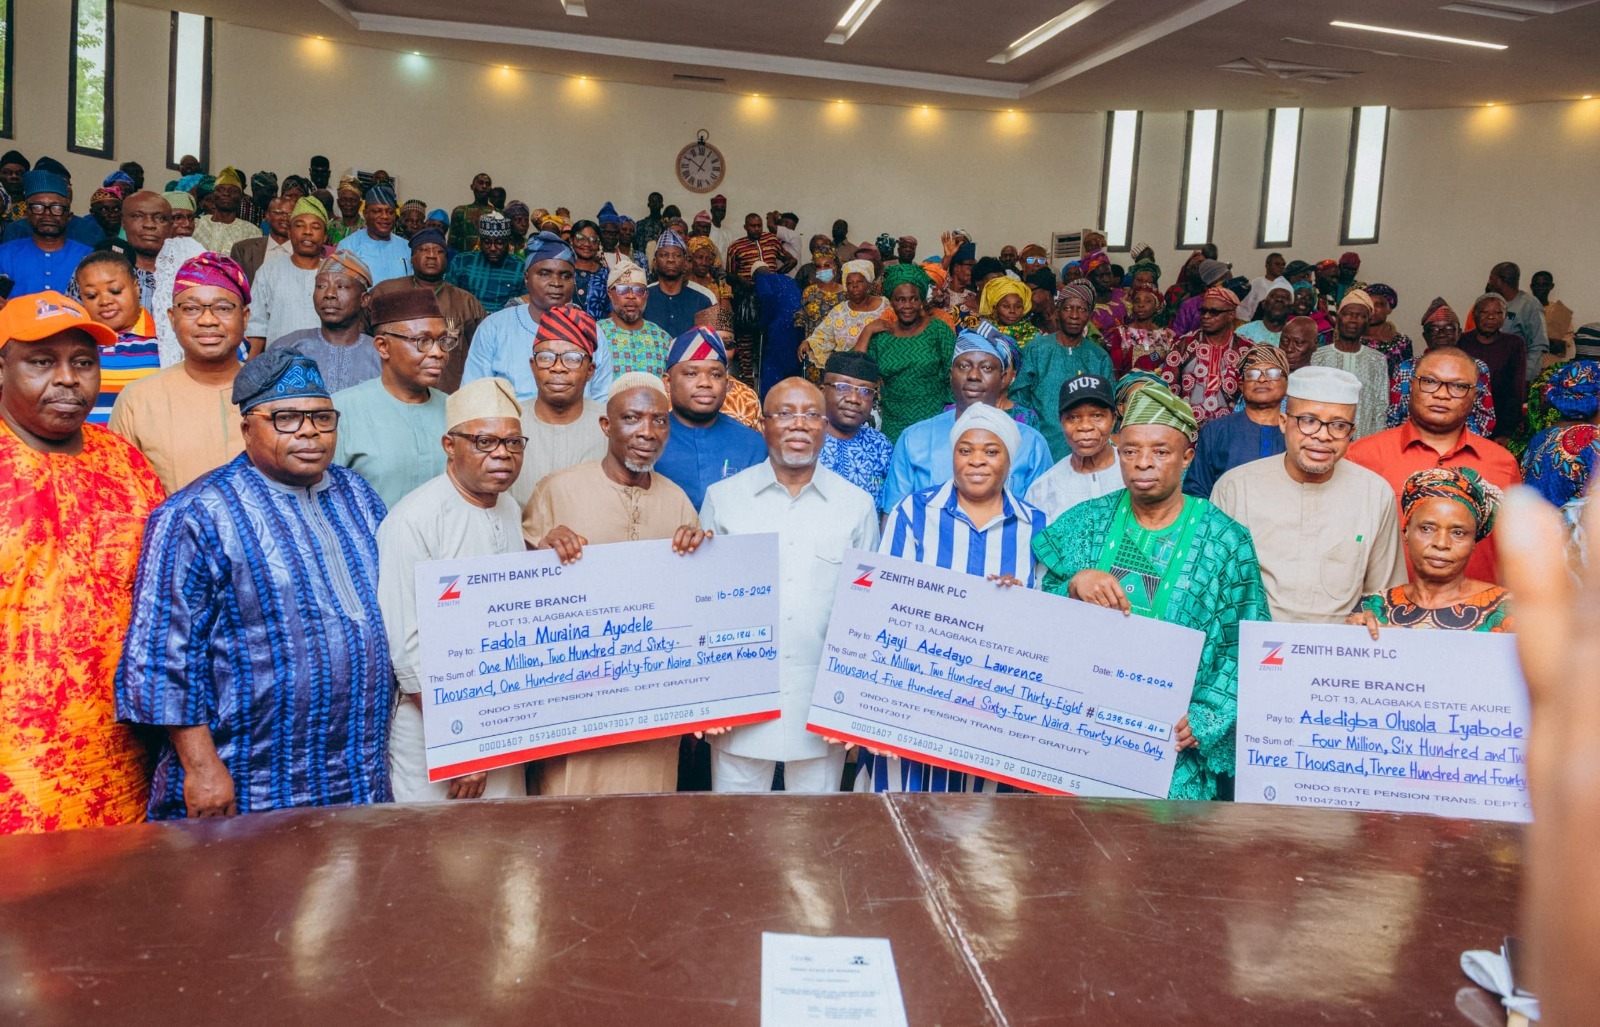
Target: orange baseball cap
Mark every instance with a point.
(39, 315)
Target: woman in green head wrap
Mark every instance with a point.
(912, 349)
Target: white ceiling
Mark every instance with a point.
(1143, 54)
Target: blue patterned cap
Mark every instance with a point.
(277, 374)
(698, 343)
(380, 194)
(986, 338)
(608, 215)
(671, 238)
(547, 246)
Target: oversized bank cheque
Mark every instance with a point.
(524, 657)
(1416, 722)
(1045, 693)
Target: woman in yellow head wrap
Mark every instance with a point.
(1006, 303)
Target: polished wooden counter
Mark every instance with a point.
(649, 910)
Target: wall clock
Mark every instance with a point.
(701, 167)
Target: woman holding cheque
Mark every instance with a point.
(1444, 513)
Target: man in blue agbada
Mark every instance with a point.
(1150, 550)
(256, 639)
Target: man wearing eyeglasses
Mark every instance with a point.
(257, 641)
(852, 448)
(1326, 531)
(430, 262)
(467, 511)
(1444, 388)
(818, 517)
(562, 420)
(182, 417)
(389, 426)
(46, 257)
(633, 343)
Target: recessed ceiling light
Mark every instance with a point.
(1417, 35)
(855, 16)
(1048, 31)
(1586, 96)
(1489, 104)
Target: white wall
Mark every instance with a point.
(1464, 188)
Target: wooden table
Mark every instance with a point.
(649, 910)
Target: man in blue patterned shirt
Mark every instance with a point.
(257, 641)
(852, 448)
(489, 272)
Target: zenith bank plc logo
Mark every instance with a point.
(451, 592)
(1274, 659)
(864, 575)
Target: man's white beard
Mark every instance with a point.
(639, 468)
(789, 459)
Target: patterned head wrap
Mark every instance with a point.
(277, 374)
(1267, 354)
(416, 205)
(1357, 298)
(885, 242)
(1351, 259)
(607, 215)
(439, 214)
(1387, 294)
(1439, 312)
(998, 288)
(343, 262)
(702, 242)
(349, 182)
(547, 246)
(381, 195)
(567, 323)
(1574, 390)
(671, 238)
(1155, 404)
(1461, 484)
(863, 268)
(993, 342)
(1092, 261)
(907, 240)
(983, 417)
(698, 343)
(627, 274)
(1133, 381)
(494, 225)
(1138, 287)
(717, 317)
(1227, 297)
(1212, 271)
(1078, 289)
(179, 200)
(262, 181)
(107, 192)
(516, 207)
(215, 270)
(703, 216)
(309, 205)
(229, 176)
(1327, 266)
(896, 275)
(1304, 287)
(1146, 265)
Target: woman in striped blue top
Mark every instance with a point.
(971, 523)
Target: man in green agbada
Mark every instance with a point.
(1149, 549)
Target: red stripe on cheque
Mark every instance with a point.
(539, 752)
(936, 761)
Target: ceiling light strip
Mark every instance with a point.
(694, 56)
(854, 17)
(1048, 31)
(1139, 37)
(575, 8)
(1417, 35)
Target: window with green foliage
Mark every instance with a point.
(90, 120)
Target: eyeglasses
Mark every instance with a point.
(1429, 384)
(544, 360)
(57, 209)
(191, 311)
(785, 418)
(1033, 260)
(843, 389)
(1310, 425)
(631, 290)
(289, 422)
(1255, 374)
(490, 443)
(423, 343)
(1214, 312)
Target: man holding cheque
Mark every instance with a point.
(1150, 550)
